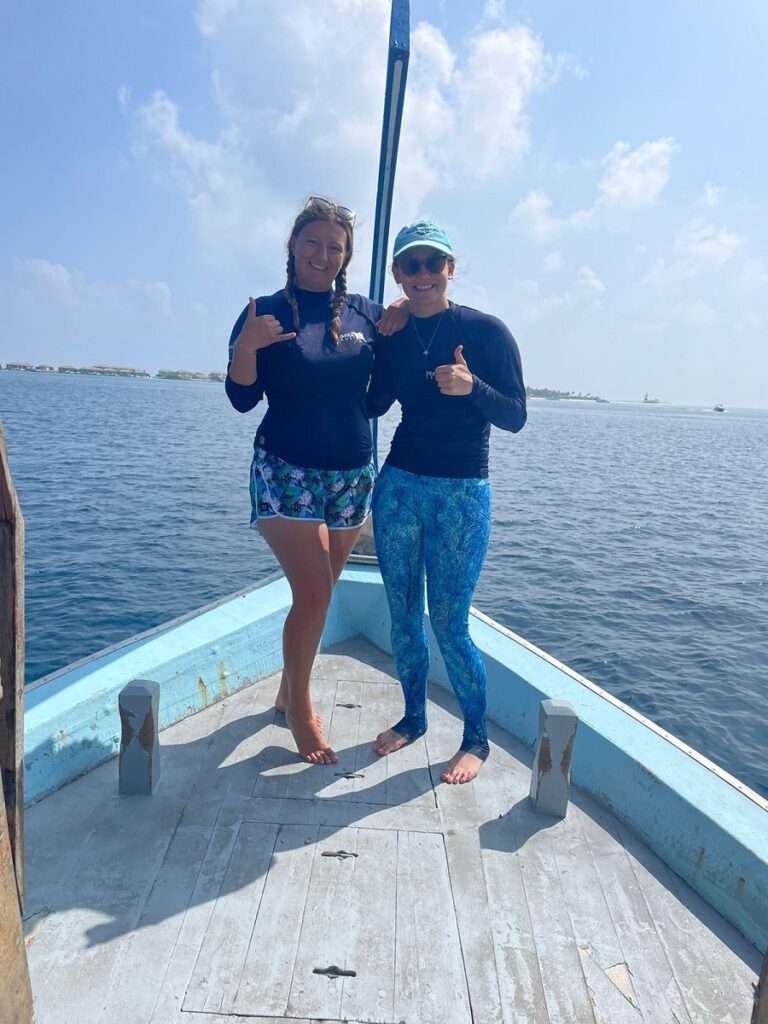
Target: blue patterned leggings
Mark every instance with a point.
(438, 527)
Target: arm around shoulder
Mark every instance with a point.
(380, 396)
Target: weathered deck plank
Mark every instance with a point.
(371, 995)
(607, 975)
(181, 956)
(228, 935)
(554, 920)
(326, 928)
(267, 972)
(565, 988)
(658, 993)
(465, 864)
(684, 938)
(430, 980)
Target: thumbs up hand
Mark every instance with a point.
(260, 331)
(455, 378)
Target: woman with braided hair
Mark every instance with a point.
(308, 349)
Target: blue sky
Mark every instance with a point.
(600, 168)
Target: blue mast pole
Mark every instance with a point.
(394, 97)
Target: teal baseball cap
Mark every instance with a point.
(422, 232)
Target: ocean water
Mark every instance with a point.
(629, 541)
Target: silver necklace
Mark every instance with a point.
(425, 348)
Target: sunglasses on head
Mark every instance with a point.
(326, 206)
(435, 264)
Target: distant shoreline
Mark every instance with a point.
(218, 377)
(125, 372)
(553, 395)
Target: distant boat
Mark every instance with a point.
(719, 407)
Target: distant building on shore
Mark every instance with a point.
(99, 370)
(114, 371)
(104, 371)
(189, 375)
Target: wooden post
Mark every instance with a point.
(760, 1012)
(15, 991)
(12, 665)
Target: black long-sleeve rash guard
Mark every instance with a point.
(315, 388)
(448, 435)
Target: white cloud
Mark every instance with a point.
(750, 323)
(493, 10)
(65, 289)
(490, 93)
(710, 197)
(583, 297)
(632, 181)
(693, 312)
(225, 195)
(634, 178)
(753, 277)
(95, 320)
(465, 119)
(553, 261)
(649, 327)
(533, 216)
(700, 248)
(589, 283)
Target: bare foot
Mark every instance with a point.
(462, 767)
(310, 741)
(281, 703)
(389, 741)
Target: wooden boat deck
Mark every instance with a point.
(215, 900)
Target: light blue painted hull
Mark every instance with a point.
(709, 829)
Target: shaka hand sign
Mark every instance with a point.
(260, 331)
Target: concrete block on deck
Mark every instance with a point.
(139, 704)
(551, 774)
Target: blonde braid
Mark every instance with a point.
(339, 302)
(289, 293)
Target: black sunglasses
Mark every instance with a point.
(326, 206)
(435, 264)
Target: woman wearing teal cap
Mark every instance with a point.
(455, 371)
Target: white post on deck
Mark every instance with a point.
(139, 704)
(551, 775)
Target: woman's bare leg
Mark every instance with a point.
(341, 543)
(312, 561)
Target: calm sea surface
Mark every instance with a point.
(629, 541)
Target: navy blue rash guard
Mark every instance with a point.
(447, 435)
(315, 389)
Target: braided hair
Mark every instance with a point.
(290, 296)
(307, 215)
(339, 301)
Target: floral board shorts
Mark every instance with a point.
(340, 498)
